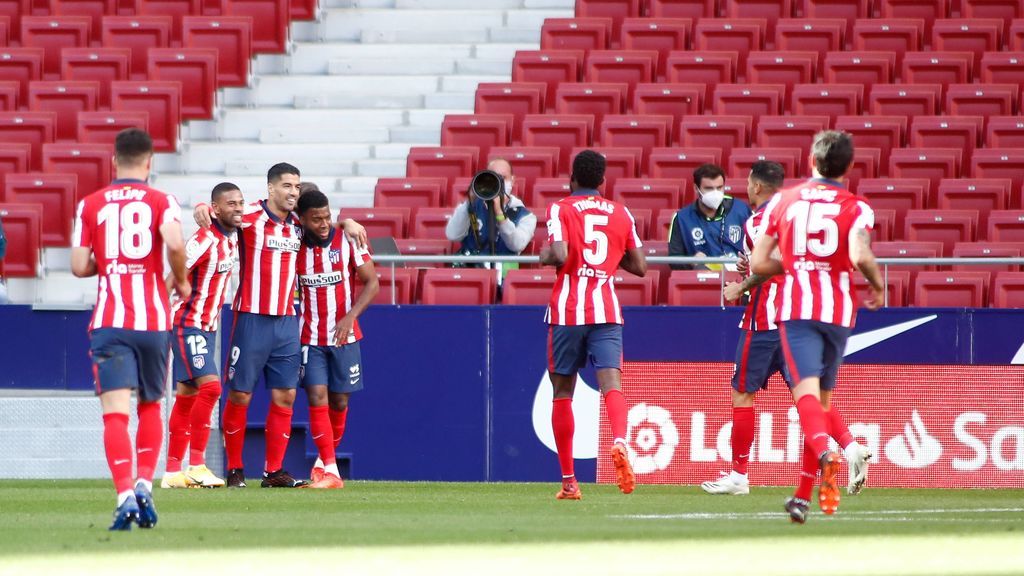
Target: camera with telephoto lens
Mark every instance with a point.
(487, 185)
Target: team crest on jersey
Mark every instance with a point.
(198, 362)
(231, 373)
(735, 233)
(335, 256)
(697, 234)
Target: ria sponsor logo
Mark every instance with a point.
(325, 279)
(115, 267)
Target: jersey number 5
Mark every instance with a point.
(814, 218)
(128, 230)
(591, 235)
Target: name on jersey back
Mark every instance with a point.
(819, 193)
(593, 204)
(125, 193)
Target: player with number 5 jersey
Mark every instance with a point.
(589, 238)
(120, 235)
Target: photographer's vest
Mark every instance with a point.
(470, 244)
(719, 236)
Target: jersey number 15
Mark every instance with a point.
(814, 218)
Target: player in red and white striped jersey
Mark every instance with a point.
(329, 264)
(589, 238)
(120, 234)
(212, 254)
(822, 233)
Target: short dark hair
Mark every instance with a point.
(308, 187)
(588, 169)
(769, 173)
(280, 169)
(311, 200)
(833, 153)
(132, 146)
(220, 189)
(709, 171)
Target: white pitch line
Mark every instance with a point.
(773, 515)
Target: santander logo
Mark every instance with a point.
(915, 448)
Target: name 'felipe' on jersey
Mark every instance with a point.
(267, 250)
(210, 255)
(763, 304)
(597, 232)
(326, 274)
(121, 224)
(814, 224)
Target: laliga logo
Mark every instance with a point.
(650, 423)
(915, 448)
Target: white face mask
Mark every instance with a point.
(508, 187)
(712, 198)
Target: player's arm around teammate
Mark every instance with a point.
(203, 216)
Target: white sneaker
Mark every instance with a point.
(203, 477)
(858, 457)
(176, 480)
(726, 485)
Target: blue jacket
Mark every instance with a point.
(470, 244)
(720, 235)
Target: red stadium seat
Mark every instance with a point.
(748, 100)
(516, 99)
(981, 195)
(951, 289)
(987, 250)
(548, 67)
(5, 30)
(1015, 39)
(629, 67)
(448, 162)
(423, 246)
(907, 250)
(596, 99)
(528, 164)
(459, 188)
(787, 68)
(926, 10)
(866, 162)
(1002, 68)
(55, 193)
(13, 10)
(547, 191)
(630, 130)
(661, 226)
(53, 34)
(616, 10)
(701, 67)
(400, 281)
(864, 68)
(381, 222)
(22, 65)
(882, 132)
(976, 36)
(270, 23)
(162, 100)
(1005, 132)
(408, 192)
(1005, 10)
(13, 158)
(562, 131)
(95, 10)
(999, 163)
(932, 163)
(896, 35)
(138, 34)
(303, 9)
(693, 9)
(697, 287)
(23, 228)
(898, 195)
(634, 291)
(527, 287)
(740, 35)
(102, 127)
(101, 65)
(905, 99)
(458, 286)
(896, 287)
(90, 163)
(945, 132)
(66, 100)
(769, 10)
(193, 67)
(985, 101)
(789, 131)
(819, 35)
(429, 222)
(741, 159)
(724, 132)
(946, 226)
(676, 100)
(230, 37)
(34, 128)
(847, 10)
(679, 163)
(1008, 290)
(176, 9)
(1005, 226)
(649, 193)
(575, 33)
(9, 90)
(663, 35)
(477, 130)
(621, 162)
(932, 67)
(831, 100)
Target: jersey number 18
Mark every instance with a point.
(127, 230)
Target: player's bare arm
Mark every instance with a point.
(355, 231)
(761, 261)
(555, 254)
(371, 286)
(203, 215)
(634, 262)
(175, 243)
(864, 259)
(83, 264)
(734, 290)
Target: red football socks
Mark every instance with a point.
(837, 428)
(199, 422)
(563, 425)
(338, 424)
(118, 446)
(615, 404)
(277, 432)
(148, 439)
(812, 420)
(742, 437)
(177, 428)
(323, 436)
(234, 432)
(808, 473)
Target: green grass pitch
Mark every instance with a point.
(59, 527)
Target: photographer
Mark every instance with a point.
(515, 224)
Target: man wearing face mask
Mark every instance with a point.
(516, 223)
(713, 224)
